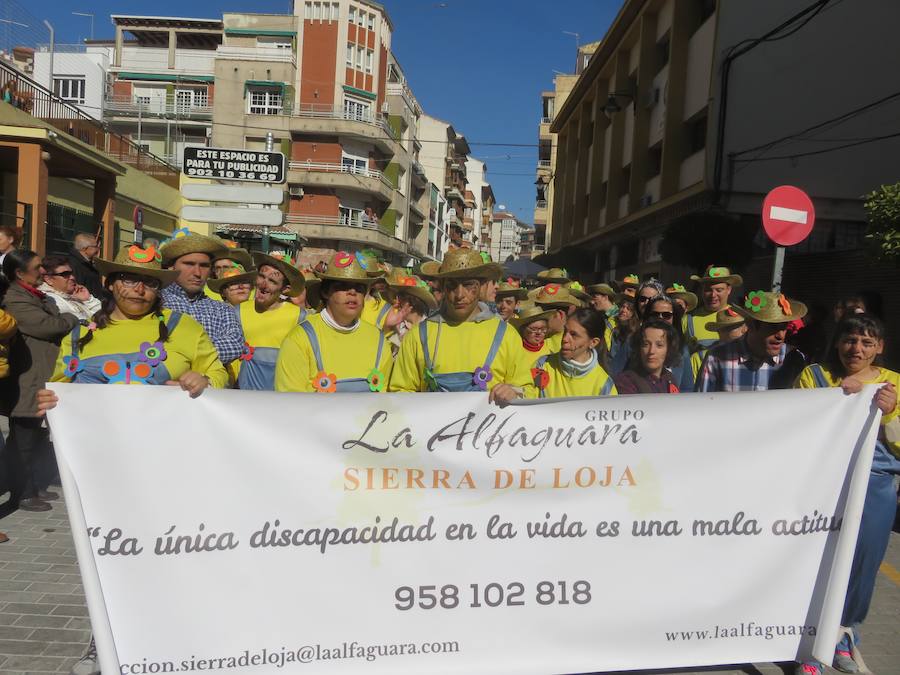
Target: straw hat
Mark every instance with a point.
(557, 297)
(462, 263)
(136, 260)
(345, 266)
(237, 274)
(184, 242)
(770, 307)
(555, 275)
(241, 256)
(726, 319)
(679, 291)
(576, 289)
(400, 282)
(531, 315)
(602, 289)
(285, 266)
(508, 289)
(313, 284)
(370, 264)
(630, 281)
(718, 275)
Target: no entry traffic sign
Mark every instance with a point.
(788, 215)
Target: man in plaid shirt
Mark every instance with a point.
(761, 359)
(191, 256)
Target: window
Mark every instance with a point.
(335, 11)
(370, 60)
(352, 217)
(371, 23)
(654, 161)
(264, 101)
(696, 132)
(360, 55)
(662, 52)
(356, 109)
(349, 55)
(69, 88)
(351, 17)
(602, 195)
(354, 165)
(625, 181)
(188, 99)
(361, 19)
(142, 100)
(274, 42)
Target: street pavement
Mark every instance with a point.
(44, 626)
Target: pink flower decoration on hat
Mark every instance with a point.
(481, 377)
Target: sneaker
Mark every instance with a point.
(808, 668)
(88, 664)
(843, 655)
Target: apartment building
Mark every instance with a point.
(508, 234)
(445, 153)
(550, 102)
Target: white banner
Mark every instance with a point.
(403, 533)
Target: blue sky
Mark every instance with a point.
(479, 64)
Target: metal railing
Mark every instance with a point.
(546, 120)
(351, 221)
(543, 163)
(315, 110)
(271, 54)
(130, 105)
(540, 204)
(340, 168)
(31, 97)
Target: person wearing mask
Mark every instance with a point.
(85, 248)
(267, 320)
(852, 363)
(655, 353)
(60, 285)
(760, 360)
(8, 240)
(574, 370)
(664, 308)
(191, 255)
(335, 350)
(507, 300)
(32, 357)
(463, 346)
(716, 286)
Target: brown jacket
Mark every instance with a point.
(33, 352)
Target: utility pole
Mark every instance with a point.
(270, 147)
(52, 47)
(88, 14)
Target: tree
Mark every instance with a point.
(708, 238)
(883, 233)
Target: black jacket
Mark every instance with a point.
(86, 274)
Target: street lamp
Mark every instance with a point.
(612, 104)
(88, 14)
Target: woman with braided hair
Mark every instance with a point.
(133, 340)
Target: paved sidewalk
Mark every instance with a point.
(44, 626)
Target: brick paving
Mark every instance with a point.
(44, 626)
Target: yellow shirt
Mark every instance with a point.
(210, 293)
(463, 347)
(268, 329)
(187, 349)
(372, 309)
(561, 384)
(699, 318)
(554, 341)
(345, 355)
(527, 358)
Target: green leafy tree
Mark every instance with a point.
(883, 234)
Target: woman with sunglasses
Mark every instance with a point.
(70, 296)
(663, 308)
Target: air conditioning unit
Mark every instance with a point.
(646, 200)
(652, 98)
(296, 191)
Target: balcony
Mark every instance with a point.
(544, 129)
(540, 212)
(263, 54)
(546, 120)
(400, 89)
(130, 106)
(544, 164)
(331, 120)
(454, 194)
(540, 204)
(341, 176)
(360, 230)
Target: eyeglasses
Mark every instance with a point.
(132, 282)
(665, 316)
(535, 329)
(642, 299)
(67, 274)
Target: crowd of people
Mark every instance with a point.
(196, 311)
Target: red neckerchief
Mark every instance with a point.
(531, 348)
(31, 289)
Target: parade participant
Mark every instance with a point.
(556, 297)
(554, 275)
(687, 300)
(267, 320)
(664, 308)
(41, 327)
(412, 297)
(60, 285)
(308, 300)
(629, 285)
(234, 285)
(603, 300)
(463, 346)
(645, 293)
(760, 360)
(716, 285)
(627, 324)
(729, 325)
(859, 340)
(656, 350)
(191, 255)
(572, 371)
(576, 289)
(508, 297)
(224, 262)
(532, 325)
(377, 310)
(334, 350)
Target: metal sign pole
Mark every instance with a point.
(270, 147)
(779, 267)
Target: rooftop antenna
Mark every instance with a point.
(577, 38)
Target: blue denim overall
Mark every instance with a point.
(604, 391)
(348, 384)
(460, 381)
(115, 368)
(258, 366)
(874, 527)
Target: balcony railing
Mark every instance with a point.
(540, 204)
(346, 221)
(131, 106)
(42, 104)
(330, 112)
(270, 54)
(340, 168)
(546, 120)
(543, 163)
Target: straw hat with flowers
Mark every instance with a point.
(284, 265)
(462, 263)
(678, 291)
(509, 289)
(184, 242)
(236, 274)
(555, 275)
(770, 307)
(718, 275)
(531, 315)
(345, 266)
(136, 260)
(726, 319)
(399, 281)
(556, 297)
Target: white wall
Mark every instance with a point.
(432, 156)
(91, 66)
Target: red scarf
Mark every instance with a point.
(31, 289)
(532, 348)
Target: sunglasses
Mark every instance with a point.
(642, 299)
(666, 316)
(68, 274)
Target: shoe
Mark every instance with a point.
(808, 668)
(3, 538)
(87, 664)
(47, 495)
(34, 504)
(843, 653)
